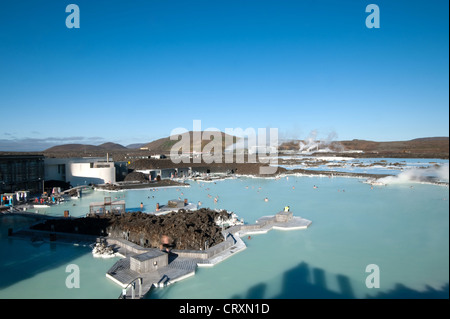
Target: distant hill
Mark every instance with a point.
(427, 147)
(164, 145)
(73, 148)
(112, 146)
(85, 148)
(135, 145)
(432, 139)
(420, 147)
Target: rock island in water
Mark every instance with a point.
(177, 230)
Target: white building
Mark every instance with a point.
(166, 173)
(80, 171)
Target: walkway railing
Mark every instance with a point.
(132, 285)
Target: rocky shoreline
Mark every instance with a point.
(137, 184)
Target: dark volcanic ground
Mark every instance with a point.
(181, 230)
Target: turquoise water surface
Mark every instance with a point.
(402, 228)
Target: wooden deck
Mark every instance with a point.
(179, 268)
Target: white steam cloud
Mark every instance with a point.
(432, 174)
(312, 144)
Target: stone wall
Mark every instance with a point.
(208, 253)
(127, 245)
(283, 217)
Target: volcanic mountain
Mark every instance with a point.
(164, 145)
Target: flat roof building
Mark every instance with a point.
(80, 171)
(21, 172)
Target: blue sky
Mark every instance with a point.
(136, 70)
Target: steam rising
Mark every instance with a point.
(432, 174)
(311, 143)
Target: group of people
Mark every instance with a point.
(13, 198)
(46, 199)
(6, 200)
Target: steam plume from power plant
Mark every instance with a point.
(312, 144)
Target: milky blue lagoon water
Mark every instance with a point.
(403, 228)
